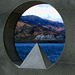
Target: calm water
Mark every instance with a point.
(52, 50)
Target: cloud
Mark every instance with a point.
(45, 11)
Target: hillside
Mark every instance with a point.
(35, 20)
(29, 27)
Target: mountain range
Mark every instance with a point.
(28, 27)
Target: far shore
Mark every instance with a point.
(40, 41)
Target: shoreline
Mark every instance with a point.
(42, 41)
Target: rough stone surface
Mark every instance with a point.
(66, 63)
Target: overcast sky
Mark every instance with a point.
(45, 11)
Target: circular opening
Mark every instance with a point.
(31, 23)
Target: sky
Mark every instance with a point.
(44, 11)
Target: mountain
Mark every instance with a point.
(28, 27)
(35, 20)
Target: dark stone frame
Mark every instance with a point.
(9, 29)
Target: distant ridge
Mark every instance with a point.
(35, 20)
(28, 27)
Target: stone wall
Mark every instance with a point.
(66, 63)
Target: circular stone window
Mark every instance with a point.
(39, 36)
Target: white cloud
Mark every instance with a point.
(45, 11)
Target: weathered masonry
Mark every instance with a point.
(66, 63)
